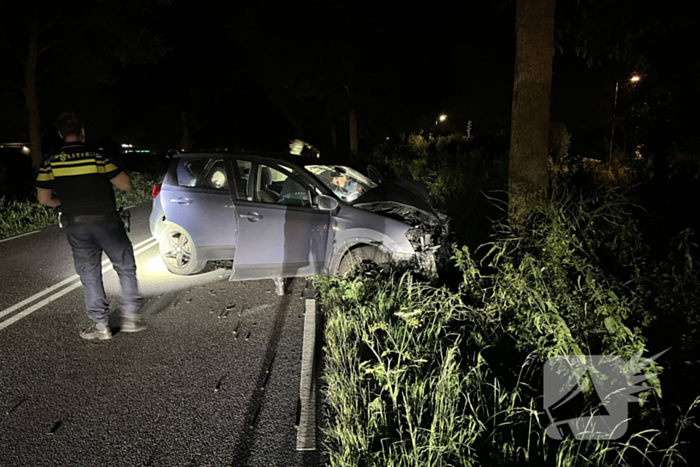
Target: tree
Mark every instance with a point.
(528, 169)
(370, 68)
(75, 40)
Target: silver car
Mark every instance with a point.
(282, 216)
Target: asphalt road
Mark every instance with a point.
(213, 381)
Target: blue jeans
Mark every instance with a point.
(88, 242)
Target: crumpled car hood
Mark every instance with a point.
(402, 192)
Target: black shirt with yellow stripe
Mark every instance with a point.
(80, 177)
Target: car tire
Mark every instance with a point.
(178, 251)
(361, 259)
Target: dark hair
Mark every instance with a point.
(69, 124)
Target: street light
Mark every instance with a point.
(634, 79)
(442, 117)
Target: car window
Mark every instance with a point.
(202, 172)
(345, 182)
(216, 177)
(277, 187)
(241, 170)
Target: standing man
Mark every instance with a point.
(79, 180)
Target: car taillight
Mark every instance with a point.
(156, 189)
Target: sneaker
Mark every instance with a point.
(96, 331)
(132, 323)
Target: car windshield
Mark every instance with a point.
(347, 184)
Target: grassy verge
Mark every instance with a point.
(419, 376)
(18, 217)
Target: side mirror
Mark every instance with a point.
(326, 203)
(374, 174)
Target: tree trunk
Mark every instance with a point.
(352, 119)
(31, 96)
(527, 171)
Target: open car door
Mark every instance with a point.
(280, 233)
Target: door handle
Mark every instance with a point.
(182, 201)
(251, 216)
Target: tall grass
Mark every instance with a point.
(18, 217)
(423, 376)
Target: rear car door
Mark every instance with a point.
(197, 196)
(281, 234)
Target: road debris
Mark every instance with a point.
(56, 426)
(8, 412)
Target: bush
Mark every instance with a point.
(18, 217)
(458, 171)
(141, 190)
(417, 375)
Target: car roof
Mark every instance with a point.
(280, 157)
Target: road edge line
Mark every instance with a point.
(60, 293)
(57, 285)
(18, 236)
(306, 436)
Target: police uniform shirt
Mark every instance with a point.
(81, 178)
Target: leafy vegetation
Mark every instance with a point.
(417, 375)
(18, 217)
(458, 171)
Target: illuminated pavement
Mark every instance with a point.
(188, 391)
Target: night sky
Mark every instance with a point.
(254, 76)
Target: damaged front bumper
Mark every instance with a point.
(431, 243)
(430, 236)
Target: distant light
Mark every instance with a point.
(635, 78)
(387, 137)
(336, 228)
(25, 150)
(127, 145)
(318, 155)
(443, 117)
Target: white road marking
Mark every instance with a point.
(37, 295)
(306, 436)
(21, 235)
(19, 305)
(62, 292)
(42, 303)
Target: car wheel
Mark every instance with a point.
(361, 259)
(178, 252)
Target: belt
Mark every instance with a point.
(93, 219)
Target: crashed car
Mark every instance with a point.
(279, 216)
